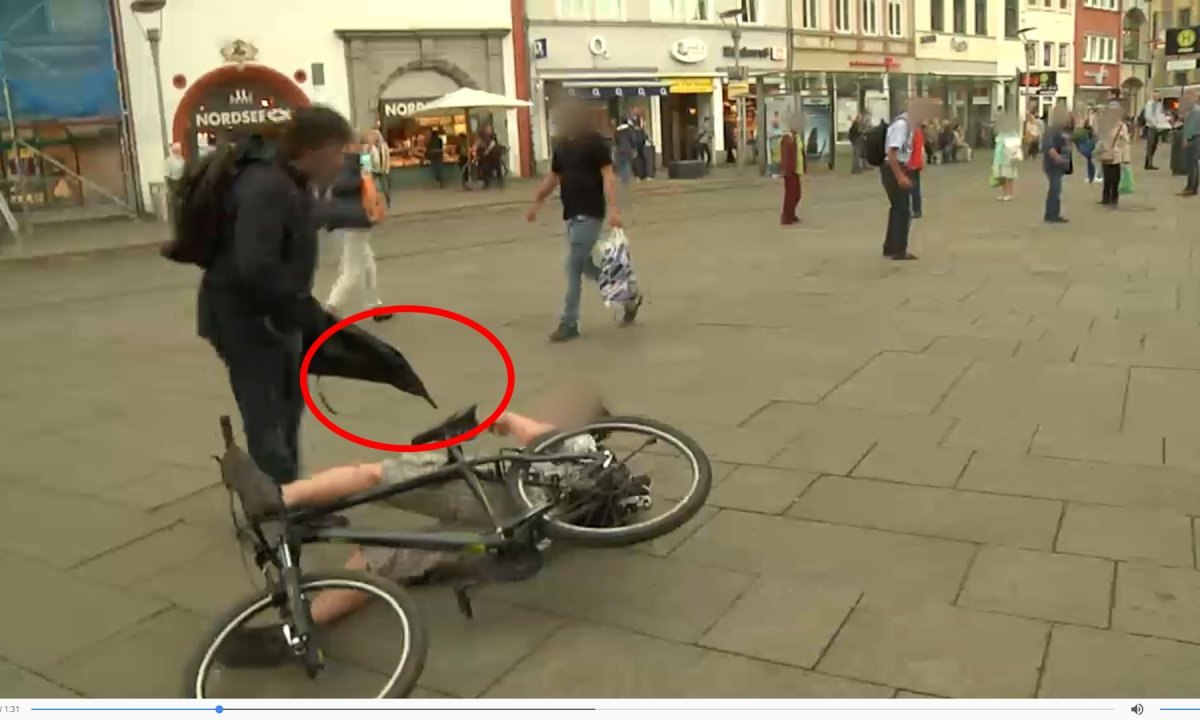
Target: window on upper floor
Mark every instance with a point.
(843, 16)
(1064, 55)
(750, 11)
(1100, 49)
(895, 18)
(1101, 4)
(810, 18)
(960, 17)
(1030, 54)
(682, 10)
(870, 16)
(981, 17)
(1185, 17)
(1012, 16)
(937, 15)
(591, 9)
(1047, 54)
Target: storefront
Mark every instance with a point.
(232, 101)
(395, 73)
(674, 77)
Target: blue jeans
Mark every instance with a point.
(582, 234)
(915, 176)
(1091, 167)
(1193, 163)
(1054, 195)
(624, 168)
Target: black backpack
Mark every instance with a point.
(200, 212)
(875, 145)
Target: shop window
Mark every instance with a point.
(937, 15)
(809, 19)
(981, 17)
(842, 15)
(960, 17)
(895, 18)
(870, 17)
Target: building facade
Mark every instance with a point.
(1172, 75)
(1098, 50)
(968, 55)
(229, 66)
(1047, 28)
(672, 60)
(63, 108)
(1137, 52)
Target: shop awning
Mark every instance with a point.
(471, 99)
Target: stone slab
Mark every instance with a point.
(1158, 601)
(761, 489)
(936, 512)
(1059, 588)
(821, 554)
(899, 382)
(917, 465)
(579, 661)
(804, 620)
(940, 650)
(1157, 537)
(1085, 662)
(17, 682)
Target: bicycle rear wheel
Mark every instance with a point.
(364, 656)
(658, 479)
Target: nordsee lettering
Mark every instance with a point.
(402, 108)
(227, 118)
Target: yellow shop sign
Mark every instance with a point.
(690, 86)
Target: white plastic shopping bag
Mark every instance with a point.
(618, 284)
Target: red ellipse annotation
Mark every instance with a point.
(491, 419)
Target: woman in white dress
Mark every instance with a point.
(357, 273)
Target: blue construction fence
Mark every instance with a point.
(56, 57)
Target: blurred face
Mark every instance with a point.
(569, 407)
(321, 164)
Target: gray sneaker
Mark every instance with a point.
(564, 333)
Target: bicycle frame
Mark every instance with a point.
(300, 528)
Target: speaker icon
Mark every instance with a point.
(1137, 709)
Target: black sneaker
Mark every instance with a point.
(255, 647)
(564, 333)
(631, 311)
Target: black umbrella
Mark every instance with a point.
(356, 354)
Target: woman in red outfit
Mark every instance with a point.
(790, 165)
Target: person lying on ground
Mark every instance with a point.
(451, 504)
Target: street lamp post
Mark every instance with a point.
(1019, 90)
(735, 33)
(153, 36)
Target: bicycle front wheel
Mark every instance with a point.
(378, 651)
(654, 480)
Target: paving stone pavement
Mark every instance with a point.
(975, 475)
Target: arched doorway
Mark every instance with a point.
(407, 89)
(233, 100)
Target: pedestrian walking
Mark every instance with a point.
(637, 128)
(1191, 140)
(355, 187)
(1112, 150)
(581, 167)
(894, 174)
(623, 152)
(259, 280)
(1085, 141)
(173, 168)
(1032, 134)
(916, 164)
(1007, 155)
(774, 139)
(1056, 162)
(704, 140)
(381, 165)
(855, 135)
(1156, 124)
(791, 165)
(435, 151)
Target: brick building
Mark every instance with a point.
(1098, 49)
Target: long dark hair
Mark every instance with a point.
(313, 127)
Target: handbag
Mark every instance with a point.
(1126, 186)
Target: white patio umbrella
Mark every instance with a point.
(471, 99)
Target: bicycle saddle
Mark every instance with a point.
(457, 424)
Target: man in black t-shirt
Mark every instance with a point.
(582, 168)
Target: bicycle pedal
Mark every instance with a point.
(464, 603)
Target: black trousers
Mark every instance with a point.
(264, 373)
(1111, 173)
(1152, 138)
(895, 239)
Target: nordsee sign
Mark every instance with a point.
(229, 118)
(689, 50)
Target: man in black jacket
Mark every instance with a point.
(254, 292)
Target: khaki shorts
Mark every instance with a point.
(451, 504)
